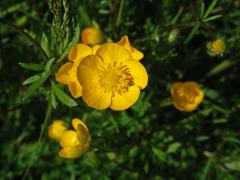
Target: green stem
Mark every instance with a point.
(119, 16)
(37, 150)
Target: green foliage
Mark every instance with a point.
(152, 139)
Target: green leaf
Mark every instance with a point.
(32, 66)
(34, 87)
(192, 33)
(74, 41)
(48, 66)
(172, 148)
(32, 79)
(62, 96)
(220, 120)
(209, 9)
(233, 165)
(213, 17)
(45, 44)
(159, 154)
(84, 18)
(206, 169)
(202, 9)
(53, 99)
(222, 66)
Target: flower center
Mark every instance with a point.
(115, 78)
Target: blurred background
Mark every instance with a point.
(152, 139)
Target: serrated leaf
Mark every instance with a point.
(209, 9)
(74, 41)
(45, 44)
(34, 87)
(32, 79)
(32, 66)
(62, 96)
(213, 18)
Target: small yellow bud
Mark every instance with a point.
(56, 129)
(216, 48)
(186, 96)
(92, 36)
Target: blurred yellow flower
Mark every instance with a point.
(136, 54)
(75, 142)
(92, 36)
(216, 47)
(67, 73)
(186, 96)
(111, 78)
(56, 129)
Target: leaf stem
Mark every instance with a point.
(37, 148)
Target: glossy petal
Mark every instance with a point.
(138, 72)
(79, 51)
(76, 122)
(110, 52)
(69, 139)
(72, 152)
(136, 54)
(92, 36)
(62, 76)
(124, 101)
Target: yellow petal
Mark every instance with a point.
(92, 36)
(72, 152)
(138, 72)
(69, 139)
(79, 51)
(62, 76)
(136, 54)
(93, 94)
(124, 101)
(76, 122)
(75, 89)
(110, 52)
(56, 129)
(83, 135)
(95, 48)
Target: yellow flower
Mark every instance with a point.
(111, 78)
(186, 96)
(67, 73)
(56, 129)
(75, 142)
(136, 54)
(216, 47)
(92, 36)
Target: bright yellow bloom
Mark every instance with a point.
(216, 47)
(56, 129)
(111, 78)
(186, 96)
(75, 142)
(67, 73)
(136, 54)
(92, 36)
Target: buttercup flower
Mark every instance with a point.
(56, 129)
(75, 142)
(92, 36)
(186, 96)
(216, 47)
(111, 78)
(136, 54)
(67, 74)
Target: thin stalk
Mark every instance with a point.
(119, 15)
(34, 154)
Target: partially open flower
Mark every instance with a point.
(186, 96)
(75, 142)
(56, 129)
(136, 54)
(217, 47)
(67, 74)
(92, 36)
(111, 78)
